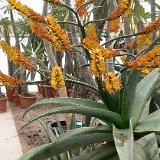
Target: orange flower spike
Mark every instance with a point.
(98, 66)
(83, 10)
(91, 33)
(16, 56)
(152, 27)
(120, 10)
(26, 11)
(112, 83)
(149, 60)
(57, 79)
(41, 31)
(90, 44)
(114, 25)
(58, 32)
(10, 81)
(108, 53)
(142, 40)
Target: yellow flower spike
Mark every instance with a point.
(57, 79)
(83, 9)
(62, 40)
(26, 11)
(112, 83)
(16, 56)
(114, 25)
(98, 66)
(152, 27)
(91, 33)
(10, 81)
(120, 10)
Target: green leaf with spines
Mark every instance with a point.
(100, 113)
(128, 96)
(58, 102)
(150, 123)
(143, 91)
(123, 139)
(47, 150)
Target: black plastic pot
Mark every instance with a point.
(54, 127)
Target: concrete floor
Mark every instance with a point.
(10, 147)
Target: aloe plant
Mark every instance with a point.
(126, 134)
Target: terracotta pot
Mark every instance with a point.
(27, 100)
(10, 93)
(17, 99)
(55, 92)
(3, 104)
(48, 91)
(42, 90)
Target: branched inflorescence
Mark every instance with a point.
(98, 57)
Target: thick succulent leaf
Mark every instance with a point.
(58, 102)
(100, 113)
(145, 112)
(98, 154)
(128, 95)
(114, 157)
(48, 150)
(124, 142)
(139, 153)
(150, 146)
(80, 82)
(143, 92)
(146, 148)
(150, 123)
(85, 130)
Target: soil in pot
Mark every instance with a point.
(3, 103)
(27, 99)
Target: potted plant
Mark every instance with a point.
(3, 102)
(50, 92)
(16, 98)
(27, 99)
(42, 90)
(10, 93)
